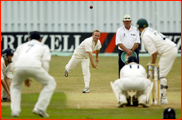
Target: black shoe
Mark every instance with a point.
(135, 101)
(128, 101)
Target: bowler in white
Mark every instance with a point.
(83, 54)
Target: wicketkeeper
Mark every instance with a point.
(133, 77)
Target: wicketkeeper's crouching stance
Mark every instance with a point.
(132, 77)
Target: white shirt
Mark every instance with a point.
(133, 70)
(31, 54)
(87, 45)
(155, 41)
(127, 37)
(6, 71)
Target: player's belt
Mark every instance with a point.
(124, 56)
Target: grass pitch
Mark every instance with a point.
(68, 101)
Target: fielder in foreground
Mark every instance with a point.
(6, 73)
(132, 77)
(31, 59)
(83, 54)
(157, 44)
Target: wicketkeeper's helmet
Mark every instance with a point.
(7, 52)
(132, 59)
(169, 113)
(142, 23)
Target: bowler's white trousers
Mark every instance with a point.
(85, 62)
(39, 74)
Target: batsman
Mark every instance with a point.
(158, 44)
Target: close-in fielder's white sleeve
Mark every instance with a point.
(46, 58)
(149, 45)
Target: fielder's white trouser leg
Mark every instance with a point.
(4, 94)
(86, 71)
(16, 87)
(41, 76)
(75, 59)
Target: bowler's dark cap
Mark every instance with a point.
(35, 35)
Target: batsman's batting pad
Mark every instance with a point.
(163, 83)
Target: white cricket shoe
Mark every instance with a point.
(144, 104)
(86, 90)
(155, 102)
(66, 73)
(164, 101)
(40, 113)
(15, 114)
(121, 104)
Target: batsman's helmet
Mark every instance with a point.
(7, 52)
(142, 23)
(169, 113)
(132, 59)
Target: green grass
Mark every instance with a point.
(68, 94)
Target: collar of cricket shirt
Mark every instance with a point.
(93, 42)
(127, 29)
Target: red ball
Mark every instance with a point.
(91, 7)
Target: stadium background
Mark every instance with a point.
(64, 24)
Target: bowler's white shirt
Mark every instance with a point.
(88, 45)
(153, 41)
(31, 54)
(6, 71)
(127, 37)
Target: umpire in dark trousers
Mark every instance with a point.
(127, 40)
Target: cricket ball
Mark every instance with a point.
(91, 7)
